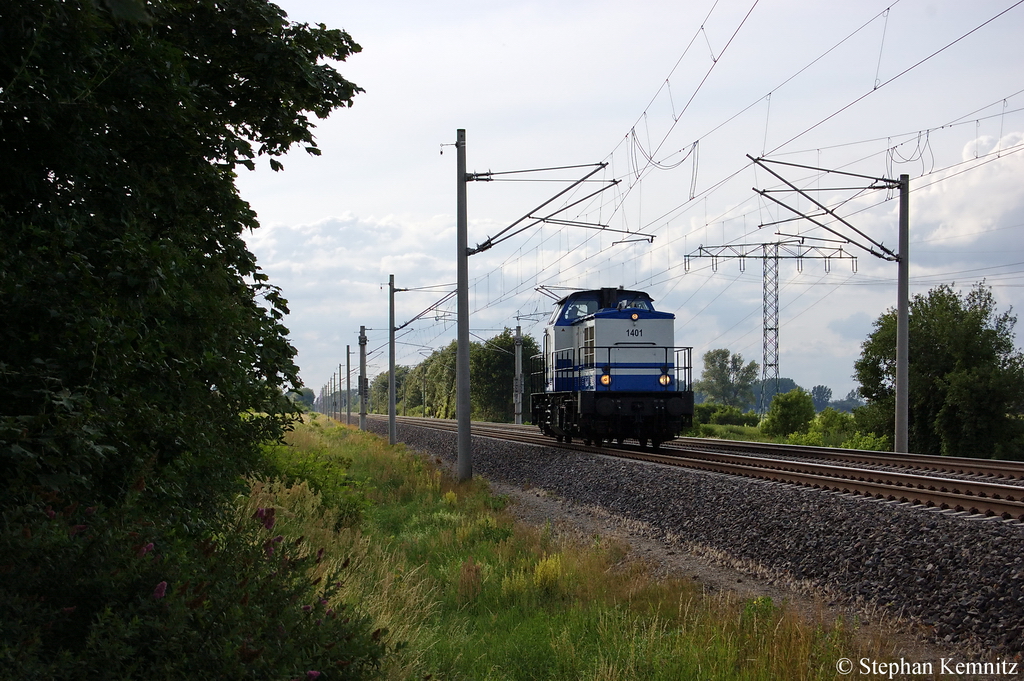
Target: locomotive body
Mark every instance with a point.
(610, 371)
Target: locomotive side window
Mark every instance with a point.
(587, 354)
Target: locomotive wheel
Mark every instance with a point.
(618, 441)
(586, 441)
(655, 445)
(559, 438)
(643, 443)
(568, 439)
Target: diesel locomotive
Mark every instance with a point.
(611, 372)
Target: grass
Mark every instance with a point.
(733, 432)
(470, 594)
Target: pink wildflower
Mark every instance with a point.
(50, 513)
(160, 590)
(311, 674)
(77, 528)
(266, 516)
(143, 550)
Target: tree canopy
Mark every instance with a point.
(822, 395)
(726, 379)
(431, 383)
(133, 311)
(143, 360)
(966, 379)
(790, 412)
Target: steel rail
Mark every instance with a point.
(973, 496)
(1010, 470)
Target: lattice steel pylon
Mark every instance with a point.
(770, 253)
(770, 355)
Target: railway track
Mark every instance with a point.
(955, 485)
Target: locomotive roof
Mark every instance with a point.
(608, 297)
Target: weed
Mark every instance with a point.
(445, 570)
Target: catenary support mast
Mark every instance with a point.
(462, 401)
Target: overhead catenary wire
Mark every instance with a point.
(555, 264)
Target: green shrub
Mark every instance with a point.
(791, 412)
(868, 441)
(723, 415)
(100, 594)
(832, 428)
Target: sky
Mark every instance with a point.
(674, 98)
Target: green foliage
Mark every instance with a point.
(726, 380)
(379, 390)
(966, 378)
(105, 598)
(822, 395)
(143, 359)
(446, 574)
(848, 403)
(327, 474)
(304, 397)
(867, 441)
(428, 389)
(767, 391)
(789, 413)
(137, 328)
(721, 414)
(492, 366)
(833, 428)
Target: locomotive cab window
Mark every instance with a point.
(580, 308)
(634, 302)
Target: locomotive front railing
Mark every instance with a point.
(565, 373)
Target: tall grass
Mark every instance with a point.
(473, 595)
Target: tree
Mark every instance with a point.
(303, 396)
(726, 380)
(379, 387)
(143, 358)
(492, 366)
(822, 395)
(848, 403)
(440, 382)
(966, 379)
(137, 328)
(767, 390)
(833, 428)
(791, 412)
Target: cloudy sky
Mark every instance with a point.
(673, 97)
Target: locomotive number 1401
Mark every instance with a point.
(636, 333)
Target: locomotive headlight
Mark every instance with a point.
(664, 379)
(606, 379)
(635, 316)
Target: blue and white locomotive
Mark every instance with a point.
(610, 371)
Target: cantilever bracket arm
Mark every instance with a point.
(649, 238)
(503, 234)
(886, 254)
